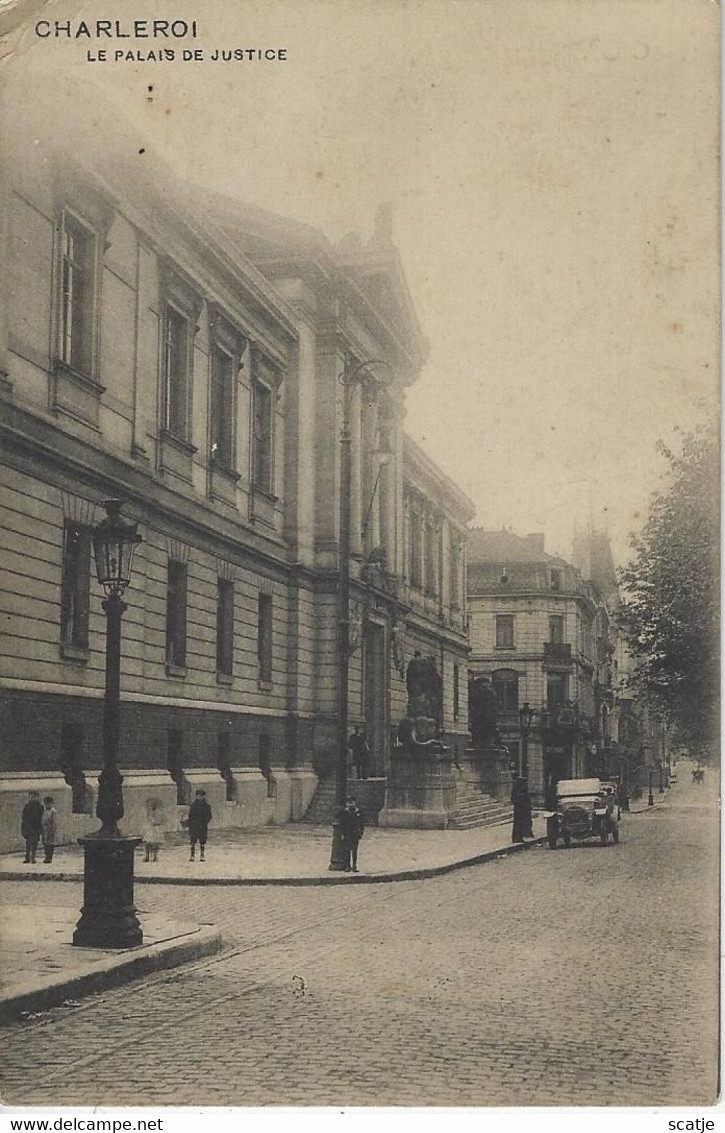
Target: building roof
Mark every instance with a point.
(505, 547)
(432, 481)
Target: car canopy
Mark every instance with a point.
(570, 788)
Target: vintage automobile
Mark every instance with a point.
(585, 808)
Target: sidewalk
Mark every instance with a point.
(41, 968)
(640, 806)
(296, 854)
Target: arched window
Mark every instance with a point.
(506, 687)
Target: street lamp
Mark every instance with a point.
(108, 917)
(351, 376)
(526, 717)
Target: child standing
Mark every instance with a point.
(49, 827)
(199, 819)
(153, 831)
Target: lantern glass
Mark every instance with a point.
(114, 543)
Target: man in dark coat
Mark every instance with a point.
(352, 827)
(358, 745)
(522, 810)
(199, 819)
(31, 825)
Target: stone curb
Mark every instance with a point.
(115, 970)
(326, 879)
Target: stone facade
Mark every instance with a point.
(543, 634)
(181, 351)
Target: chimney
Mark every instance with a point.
(536, 541)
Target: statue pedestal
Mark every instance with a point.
(421, 788)
(487, 768)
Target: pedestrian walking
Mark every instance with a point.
(31, 825)
(352, 827)
(49, 827)
(522, 810)
(153, 831)
(358, 745)
(199, 819)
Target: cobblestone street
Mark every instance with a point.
(586, 976)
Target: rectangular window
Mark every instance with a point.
(504, 631)
(456, 691)
(175, 764)
(176, 373)
(224, 763)
(262, 450)
(71, 765)
(264, 637)
(431, 580)
(506, 688)
(222, 406)
(416, 573)
(78, 295)
(557, 687)
(556, 629)
(75, 585)
(176, 615)
(225, 627)
(454, 568)
(265, 765)
(556, 580)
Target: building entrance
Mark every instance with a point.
(376, 676)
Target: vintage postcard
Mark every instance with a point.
(359, 540)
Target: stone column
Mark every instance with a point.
(5, 195)
(387, 509)
(357, 514)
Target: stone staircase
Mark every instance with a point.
(369, 793)
(475, 808)
(322, 804)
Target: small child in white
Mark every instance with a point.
(153, 831)
(49, 827)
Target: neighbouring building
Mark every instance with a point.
(181, 351)
(543, 634)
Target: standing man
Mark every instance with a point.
(199, 819)
(31, 825)
(352, 827)
(358, 745)
(522, 810)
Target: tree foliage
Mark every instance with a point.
(670, 610)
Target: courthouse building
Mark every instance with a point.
(181, 351)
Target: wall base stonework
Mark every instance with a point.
(487, 769)
(421, 790)
(254, 803)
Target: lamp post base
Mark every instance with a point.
(108, 917)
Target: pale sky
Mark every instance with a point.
(553, 171)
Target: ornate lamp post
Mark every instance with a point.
(526, 718)
(348, 379)
(108, 917)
